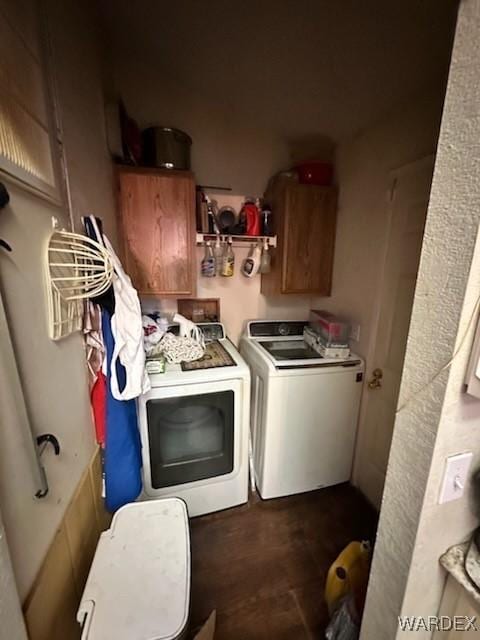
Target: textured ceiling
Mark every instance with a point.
(303, 66)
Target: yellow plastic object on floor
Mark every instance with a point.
(348, 575)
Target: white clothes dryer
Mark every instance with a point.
(194, 428)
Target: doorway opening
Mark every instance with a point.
(260, 87)
(361, 88)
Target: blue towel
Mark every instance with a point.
(123, 448)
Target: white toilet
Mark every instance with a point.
(138, 587)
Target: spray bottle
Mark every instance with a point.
(208, 262)
(218, 254)
(266, 259)
(251, 264)
(228, 260)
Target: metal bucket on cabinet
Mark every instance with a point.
(167, 148)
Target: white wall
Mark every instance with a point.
(363, 168)
(53, 374)
(241, 300)
(251, 109)
(436, 419)
(301, 68)
(228, 149)
(240, 297)
(78, 58)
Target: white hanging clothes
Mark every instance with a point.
(127, 330)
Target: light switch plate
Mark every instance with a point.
(455, 477)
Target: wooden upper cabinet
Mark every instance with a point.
(304, 220)
(157, 219)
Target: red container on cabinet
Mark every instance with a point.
(315, 172)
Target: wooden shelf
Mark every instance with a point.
(237, 241)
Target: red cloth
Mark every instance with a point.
(98, 397)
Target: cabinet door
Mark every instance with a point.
(157, 211)
(309, 228)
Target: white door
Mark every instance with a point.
(409, 196)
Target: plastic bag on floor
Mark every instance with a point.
(343, 625)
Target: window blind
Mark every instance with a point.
(25, 142)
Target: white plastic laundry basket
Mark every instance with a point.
(139, 583)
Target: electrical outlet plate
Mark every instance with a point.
(355, 332)
(455, 477)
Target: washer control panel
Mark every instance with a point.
(265, 328)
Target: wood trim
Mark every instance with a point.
(275, 195)
(51, 606)
(124, 168)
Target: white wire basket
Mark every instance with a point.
(77, 268)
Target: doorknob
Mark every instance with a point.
(376, 381)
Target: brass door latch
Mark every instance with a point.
(376, 380)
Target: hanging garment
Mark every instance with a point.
(95, 353)
(92, 331)
(126, 324)
(127, 331)
(98, 399)
(123, 449)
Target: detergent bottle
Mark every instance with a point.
(348, 575)
(208, 262)
(228, 260)
(251, 264)
(252, 217)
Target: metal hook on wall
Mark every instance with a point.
(45, 439)
(4, 200)
(4, 196)
(42, 442)
(33, 446)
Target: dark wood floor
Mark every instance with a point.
(263, 566)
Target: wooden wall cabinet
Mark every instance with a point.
(157, 222)
(304, 220)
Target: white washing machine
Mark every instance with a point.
(194, 428)
(304, 410)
